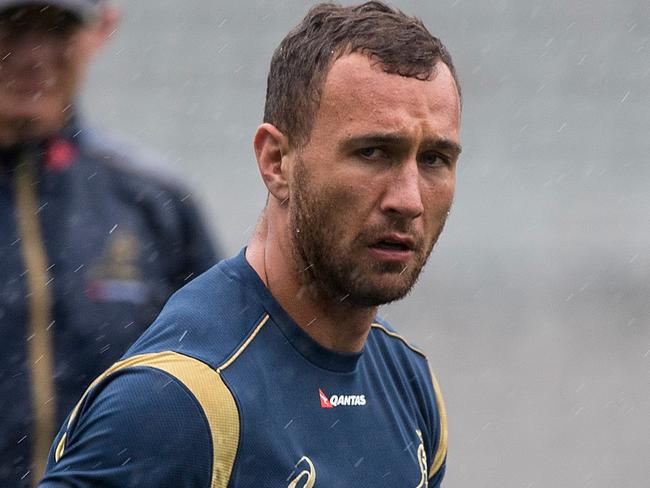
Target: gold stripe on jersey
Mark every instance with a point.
(39, 343)
(441, 452)
(210, 391)
(398, 337)
(246, 343)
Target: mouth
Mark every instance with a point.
(395, 242)
(393, 247)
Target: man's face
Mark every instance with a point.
(43, 55)
(371, 190)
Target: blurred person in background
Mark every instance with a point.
(93, 239)
(273, 368)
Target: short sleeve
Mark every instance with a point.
(139, 427)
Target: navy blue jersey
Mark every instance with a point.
(92, 244)
(226, 390)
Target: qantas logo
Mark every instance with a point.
(324, 401)
(341, 400)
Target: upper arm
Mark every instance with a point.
(139, 427)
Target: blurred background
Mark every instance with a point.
(534, 309)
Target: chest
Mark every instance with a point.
(304, 428)
(344, 453)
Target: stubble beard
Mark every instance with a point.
(329, 268)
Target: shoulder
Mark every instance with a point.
(209, 319)
(384, 332)
(131, 176)
(147, 421)
(401, 358)
(123, 156)
(166, 401)
(412, 365)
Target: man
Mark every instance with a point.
(272, 368)
(91, 244)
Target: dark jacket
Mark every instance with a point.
(92, 243)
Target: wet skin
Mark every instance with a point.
(372, 188)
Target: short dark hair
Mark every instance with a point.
(401, 44)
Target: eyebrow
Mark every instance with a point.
(380, 138)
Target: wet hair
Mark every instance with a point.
(19, 19)
(400, 44)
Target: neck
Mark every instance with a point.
(330, 322)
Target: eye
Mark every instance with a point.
(372, 153)
(433, 159)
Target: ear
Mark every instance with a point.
(103, 28)
(271, 149)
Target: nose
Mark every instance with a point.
(403, 195)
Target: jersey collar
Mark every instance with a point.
(314, 352)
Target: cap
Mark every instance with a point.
(83, 9)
